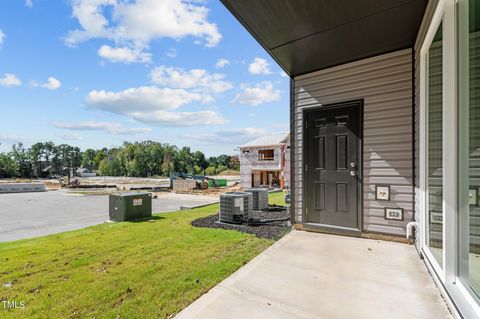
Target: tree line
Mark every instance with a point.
(138, 159)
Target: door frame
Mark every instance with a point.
(359, 103)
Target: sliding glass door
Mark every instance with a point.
(450, 151)
(469, 143)
(434, 165)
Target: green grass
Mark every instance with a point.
(277, 199)
(125, 270)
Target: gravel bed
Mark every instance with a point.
(274, 230)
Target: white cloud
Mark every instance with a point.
(171, 53)
(73, 136)
(283, 74)
(10, 138)
(29, 3)
(135, 24)
(261, 93)
(154, 105)
(221, 63)
(196, 79)
(124, 55)
(51, 84)
(2, 38)
(199, 118)
(9, 80)
(108, 127)
(259, 66)
(229, 136)
(145, 98)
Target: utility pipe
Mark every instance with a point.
(410, 231)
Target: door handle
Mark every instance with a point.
(353, 173)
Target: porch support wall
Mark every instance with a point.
(385, 85)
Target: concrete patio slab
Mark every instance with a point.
(38, 214)
(308, 275)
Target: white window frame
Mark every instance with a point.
(445, 15)
(463, 295)
(448, 273)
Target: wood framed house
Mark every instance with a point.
(264, 162)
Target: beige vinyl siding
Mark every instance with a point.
(385, 84)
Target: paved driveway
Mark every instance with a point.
(36, 214)
(307, 275)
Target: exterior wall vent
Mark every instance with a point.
(235, 207)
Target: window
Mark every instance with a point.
(438, 134)
(469, 141)
(434, 112)
(450, 151)
(266, 155)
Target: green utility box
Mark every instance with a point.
(130, 206)
(218, 182)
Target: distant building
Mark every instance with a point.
(85, 172)
(265, 162)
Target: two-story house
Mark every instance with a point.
(264, 162)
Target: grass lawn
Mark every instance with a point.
(124, 270)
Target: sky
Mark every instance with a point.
(95, 73)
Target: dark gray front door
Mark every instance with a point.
(332, 164)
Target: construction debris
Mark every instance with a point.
(184, 185)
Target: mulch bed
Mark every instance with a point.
(274, 230)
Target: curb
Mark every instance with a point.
(198, 206)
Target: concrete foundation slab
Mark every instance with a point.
(38, 214)
(308, 275)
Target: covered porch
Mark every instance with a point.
(384, 123)
(309, 275)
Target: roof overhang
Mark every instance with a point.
(308, 35)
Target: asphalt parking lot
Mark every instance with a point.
(36, 214)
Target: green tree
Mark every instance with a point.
(223, 160)
(22, 159)
(200, 160)
(68, 157)
(100, 155)
(221, 168)
(234, 163)
(8, 167)
(210, 170)
(111, 167)
(169, 158)
(88, 159)
(36, 155)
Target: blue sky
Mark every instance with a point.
(95, 73)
